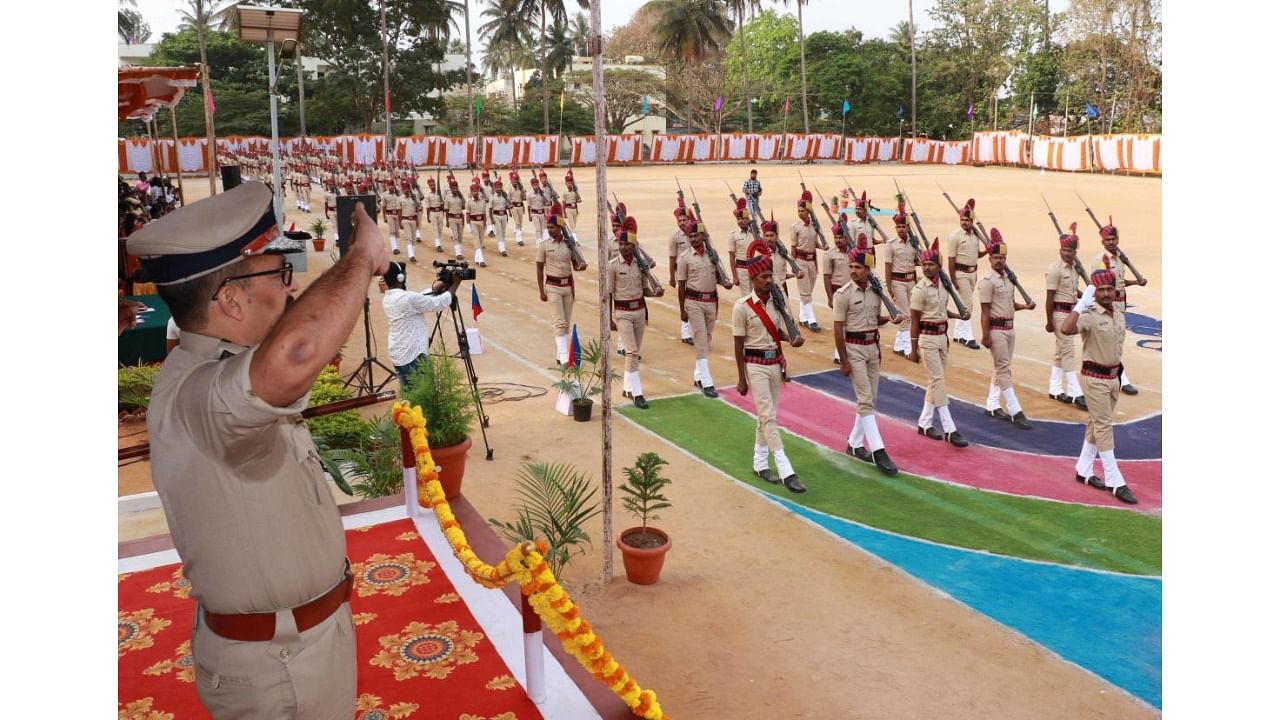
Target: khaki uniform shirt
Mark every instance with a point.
(391, 202)
(1117, 267)
(930, 299)
(1102, 333)
(499, 205)
(964, 247)
(476, 206)
(858, 308)
(748, 325)
(739, 240)
(557, 258)
(625, 279)
(1061, 279)
(570, 197)
(517, 197)
(901, 255)
(678, 244)
(454, 205)
(433, 201)
(860, 227)
(537, 201)
(996, 289)
(408, 208)
(697, 271)
(835, 263)
(804, 238)
(247, 502)
(780, 266)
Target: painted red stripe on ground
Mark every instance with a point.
(827, 421)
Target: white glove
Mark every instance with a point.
(1086, 301)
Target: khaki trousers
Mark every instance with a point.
(1101, 395)
(1064, 349)
(561, 299)
(500, 227)
(393, 224)
(517, 214)
(455, 230)
(305, 675)
(410, 228)
(900, 293)
(865, 360)
(539, 224)
(1002, 355)
(572, 216)
(965, 282)
(807, 282)
(702, 322)
(631, 331)
(744, 281)
(765, 382)
(478, 228)
(437, 221)
(933, 354)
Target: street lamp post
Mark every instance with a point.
(271, 25)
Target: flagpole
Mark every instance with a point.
(782, 146)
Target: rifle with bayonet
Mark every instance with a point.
(1079, 268)
(722, 277)
(942, 276)
(546, 182)
(780, 302)
(875, 226)
(781, 249)
(575, 252)
(652, 287)
(982, 231)
(813, 220)
(1119, 253)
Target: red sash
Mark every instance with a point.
(758, 308)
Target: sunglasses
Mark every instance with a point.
(285, 272)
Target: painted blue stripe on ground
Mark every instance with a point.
(1138, 440)
(1107, 623)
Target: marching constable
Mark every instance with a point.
(757, 350)
(900, 268)
(538, 204)
(995, 292)
(408, 219)
(477, 211)
(929, 315)
(517, 206)
(739, 241)
(862, 224)
(964, 247)
(556, 258)
(433, 205)
(804, 248)
(626, 287)
(1060, 296)
(454, 210)
(391, 210)
(570, 199)
(1110, 257)
(330, 199)
(835, 266)
(1102, 327)
(699, 303)
(675, 248)
(499, 207)
(857, 337)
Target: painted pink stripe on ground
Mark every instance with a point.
(827, 421)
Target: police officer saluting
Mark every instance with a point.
(238, 475)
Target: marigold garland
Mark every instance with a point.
(525, 563)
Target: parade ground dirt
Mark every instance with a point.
(758, 613)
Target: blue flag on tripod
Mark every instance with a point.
(901, 112)
(846, 108)
(644, 105)
(1090, 110)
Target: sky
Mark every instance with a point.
(874, 19)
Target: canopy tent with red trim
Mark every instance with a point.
(143, 90)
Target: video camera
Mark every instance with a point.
(453, 269)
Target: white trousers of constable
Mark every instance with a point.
(293, 675)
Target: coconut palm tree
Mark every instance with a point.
(556, 9)
(559, 47)
(579, 33)
(688, 31)
(740, 8)
(506, 32)
(439, 24)
(126, 22)
(804, 75)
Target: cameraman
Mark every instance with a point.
(407, 334)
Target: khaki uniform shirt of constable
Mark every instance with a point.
(391, 203)
(408, 209)
(859, 308)
(1117, 267)
(835, 265)
(476, 206)
(557, 258)
(749, 326)
(861, 227)
(963, 247)
(1061, 279)
(805, 239)
(902, 256)
(931, 300)
(625, 279)
(996, 289)
(738, 242)
(697, 271)
(678, 244)
(247, 502)
(1103, 335)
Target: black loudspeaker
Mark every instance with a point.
(230, 176)
(346, 206)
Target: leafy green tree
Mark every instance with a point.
(559, 47)
(804, 74)
(506, 32)
(556, 9)
(132, 28)
(689, 32)
(774, 55)
(624, 93)
(739, 10)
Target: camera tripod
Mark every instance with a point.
(362, 376)
(464, 354)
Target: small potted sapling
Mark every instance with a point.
(644, 548)
(318, 227)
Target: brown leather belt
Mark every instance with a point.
(628, 305)
(559, 281)
(806, 255)
(476, 217)
(261, 627)
(571, 206)
(1063, 307)
(966, 268)
(437, 208)
(535, 212)
(933, 328)
(1001, 323)
(700, 296)
(862, 338)
(1105, 372)
(903, 277)
(456, 216)
(517, 203)
(499, 213)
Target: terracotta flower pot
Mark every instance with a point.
(453, 462)
(318, 244)
(582, 410)
(643, 565)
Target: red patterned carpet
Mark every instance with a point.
(420, 653)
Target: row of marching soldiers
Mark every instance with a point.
(920, 310)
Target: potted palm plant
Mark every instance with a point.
(582, 380)
(440, 389)
(644, 548)
(556, 501)
(318, 227)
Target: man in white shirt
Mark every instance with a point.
(407, 335)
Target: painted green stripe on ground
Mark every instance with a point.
(1030, 528)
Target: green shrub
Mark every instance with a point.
(555, 504)
(133, 386)
(376, 463)
(439, 387)
(339, 430)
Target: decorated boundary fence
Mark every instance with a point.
(1111, 153)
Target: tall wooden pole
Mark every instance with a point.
(911, 23)
(595, 48)
(177, 163)
(212, 147)
(386, 82)
(156, 156)
(302, 95)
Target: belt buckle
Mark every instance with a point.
(770, 354)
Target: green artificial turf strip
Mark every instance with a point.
(1031, 528)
